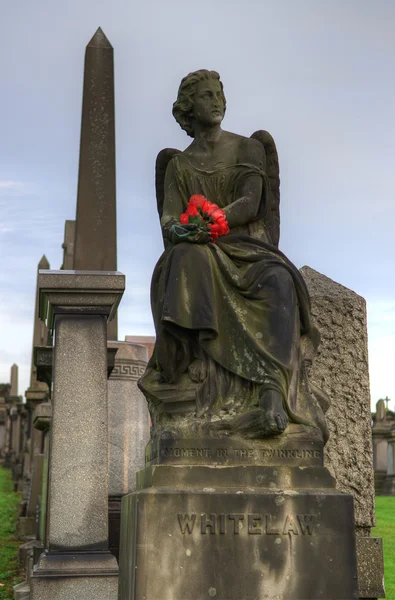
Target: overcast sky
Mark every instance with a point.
(318, 75)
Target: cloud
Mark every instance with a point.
(10, 185)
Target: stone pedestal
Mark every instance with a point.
(128, 429)
(235, 526)
(76, 562)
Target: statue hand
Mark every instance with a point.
(188, 233)
(200, 237)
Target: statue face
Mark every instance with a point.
(208, 106)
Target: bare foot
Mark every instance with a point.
(272, 404)
(197, 370)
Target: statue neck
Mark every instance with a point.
(206, 137)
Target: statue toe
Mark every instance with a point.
(197, 370)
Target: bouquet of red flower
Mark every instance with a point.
(206, 215)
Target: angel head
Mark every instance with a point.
(200, 98)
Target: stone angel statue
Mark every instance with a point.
(230, 315)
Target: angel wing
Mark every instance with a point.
(272, 203)
(162, 160)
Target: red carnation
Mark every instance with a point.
(206, 215)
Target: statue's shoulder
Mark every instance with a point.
(249, 150)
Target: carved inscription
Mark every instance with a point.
(251, 524)
(238, 453)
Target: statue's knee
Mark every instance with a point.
(187, 251)
(279, 279)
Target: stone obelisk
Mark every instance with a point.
(95, 234)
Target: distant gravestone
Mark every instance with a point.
(380, 410)
(383, 425)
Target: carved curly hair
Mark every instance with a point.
(182, 107)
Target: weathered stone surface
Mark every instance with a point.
(14, 381)
(278, 477)
(35, 485)
(383, 422)
(68, 246)
(24, 552)
(341, 369)
(42, 416)
(21, 591)
(95, 242)
(75, 576)
(77, 510)
(25, 528)
(388, 488)
(128, 429)
(79, 292)
(38, 390)
(83, 588)
(95, 228)
(143, 340)
(128, 418)
(370, 567)
(237, 542)
(298, 448)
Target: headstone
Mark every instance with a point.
(383, 423)
(15, 430)
(4, 394)
(341, 369)
(388, 488)
(76, 562)
(129, 428)
(95, 229)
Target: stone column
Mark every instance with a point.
(14, 381)
(129, 429)
(76, 562)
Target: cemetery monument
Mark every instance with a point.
(234, 501)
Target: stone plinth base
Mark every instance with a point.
(280, 533)
(83, 588)
(21, 591)
(72, 576)
(26, 554)
(370, 567)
